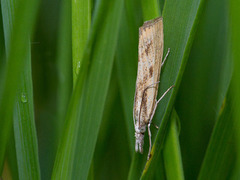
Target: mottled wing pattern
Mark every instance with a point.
(150, 51)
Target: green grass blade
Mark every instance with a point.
(172, 152)
(220, 157)
(235, 38)
(81, 21)
(204, 85)
(2, 47)
(180, 21)
(24, 125)
(11, 158)
(16, 61)
(112, 125)
(104, 131)
(112, 97)
(8, 8)
(160, 173)
(96, 90)
(11, 150)
(126, 62)
(64, 63)
(100, 51)
(151, 9)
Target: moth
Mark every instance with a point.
(150, 54)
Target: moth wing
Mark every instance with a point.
(150, 52)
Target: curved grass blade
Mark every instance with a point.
(126, 62)
(112, 131)
(221, 155)
(180, 23)
(94, 98)
(200, 98)
(2, 47)
(11, 150)
(24, 125)
(16, 62)
(73, 159)
(161, 172)
(64, 63)
(151, 9)
(171, 151)
(11, 158)
(235, 39)
(81, 21)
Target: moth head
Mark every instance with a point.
(139, 142)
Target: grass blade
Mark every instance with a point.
(151, 9)
(11, 158)
(160, 173)
(16, 61)
(220, 158)
(24, 128)
(99, 52)
(235, 38)
(24, 125)
(126, 63)
(180, 22)
(112, 125)
(11, 150)
(99, 76)
(64, 63)
(81, 21)
(2, 47)
(210, 66)
(172, 152)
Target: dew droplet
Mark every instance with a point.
(24, 98)
(77, 67)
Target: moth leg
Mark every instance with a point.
(150, 121)
(164, 94)
(150, 141)
(150, 137)
(166, 56)
(155, 107)
(149, 131)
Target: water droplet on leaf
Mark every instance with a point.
(77, 67)
(24, 98)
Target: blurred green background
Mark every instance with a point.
(67, 83)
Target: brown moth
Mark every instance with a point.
(150, 53)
